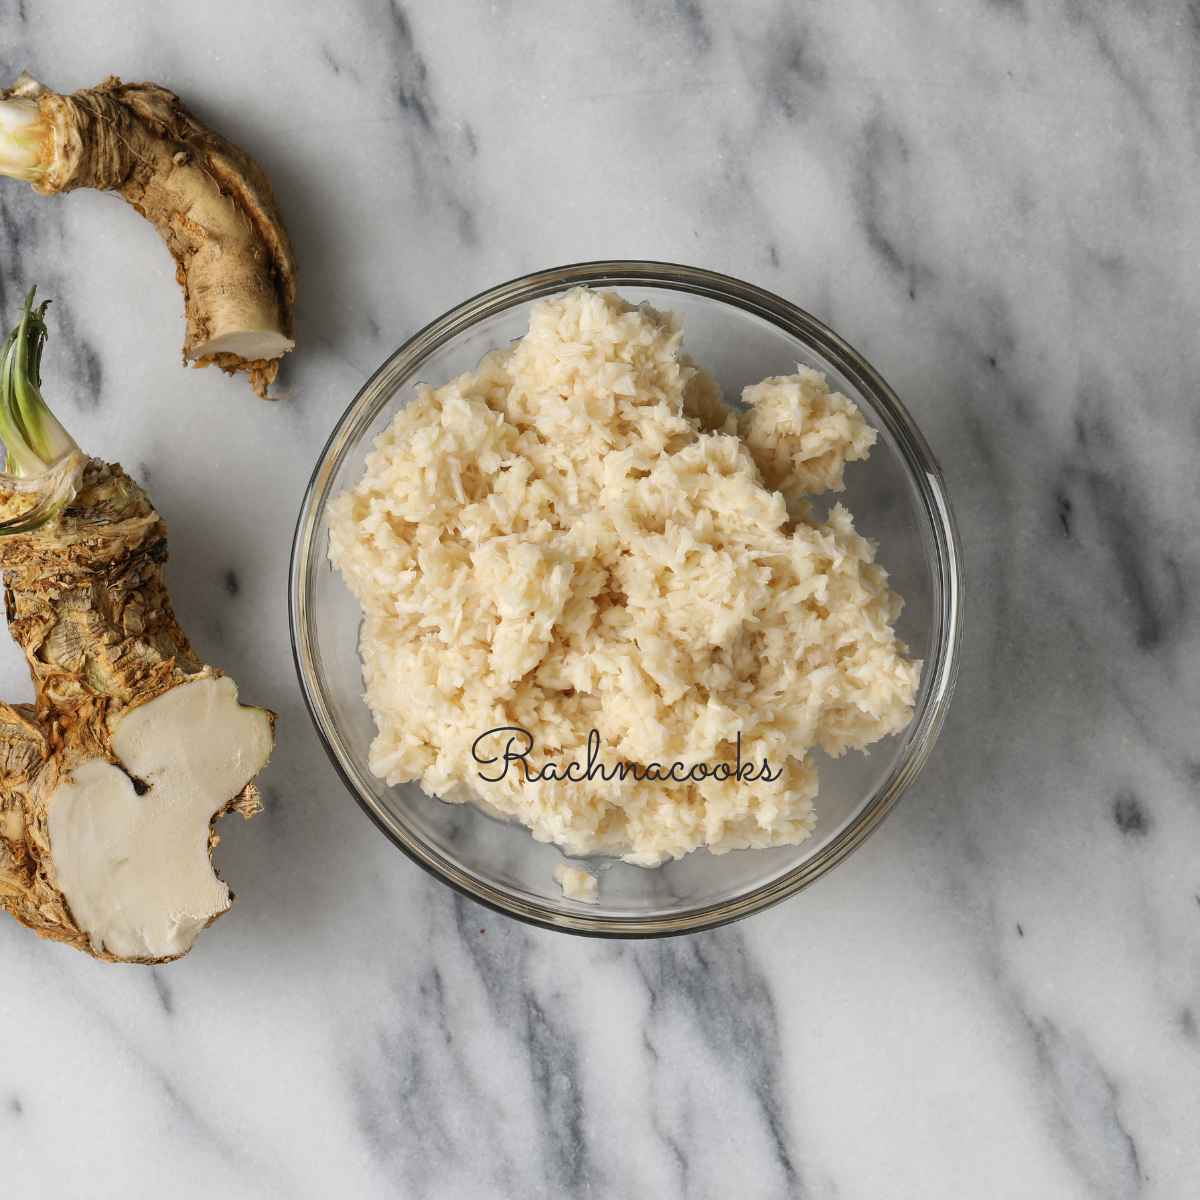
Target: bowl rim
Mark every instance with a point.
(923, 469)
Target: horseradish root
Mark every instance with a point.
(210, 201)
(110, 783)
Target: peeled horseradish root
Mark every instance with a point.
(210, 201)
(111, 782)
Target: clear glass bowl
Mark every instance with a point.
(741, 333)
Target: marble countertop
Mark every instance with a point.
(999, 995)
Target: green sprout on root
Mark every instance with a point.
(42, 459)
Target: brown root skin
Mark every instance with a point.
(86, 601)
(210, 201)
(260, 372)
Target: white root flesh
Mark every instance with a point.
(248, 344)
(135, 868)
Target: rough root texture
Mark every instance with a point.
(85, 599)
(210, 201)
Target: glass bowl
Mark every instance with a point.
(740, 333)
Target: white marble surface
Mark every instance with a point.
(1000, 994)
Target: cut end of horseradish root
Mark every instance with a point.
(248, 344)
(130, 843)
